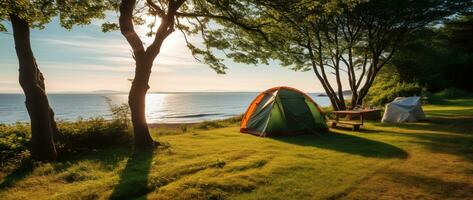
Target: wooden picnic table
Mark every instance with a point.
(352, 114)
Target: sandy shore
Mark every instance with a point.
(170, 125)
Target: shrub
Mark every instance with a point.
(449, 94)
(91, 134)
(452, 93)
(387, 87)
(83, 134)
(383, 95)
(14, 142)
(95, 133)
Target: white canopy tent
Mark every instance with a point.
(403, 109)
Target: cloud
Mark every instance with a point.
(110, 54)
(117, 51)
(8, 87)
(66, 66)
(8, 84)
(105, 46)
(85, 67)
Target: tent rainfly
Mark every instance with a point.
(283, 111)
(403, 109)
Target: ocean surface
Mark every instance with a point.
(160, 107)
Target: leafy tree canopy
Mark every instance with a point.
(438, 57)
(40, 12)
(212, 21)
(331, 37)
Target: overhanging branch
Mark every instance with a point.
(242, 25)
(159, 11)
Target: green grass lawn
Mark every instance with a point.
(424, 160)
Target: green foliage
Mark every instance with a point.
(217, 26)
(108, 27)
(36, 13)
(333, 37)
(457, 32)
(439, 58)
(96, 132)
(215, 22)
(120, 113)
(81, 12)
(14, 142)
(282, 30)
(40, 12)
(3, 28)
(89, 134)
(387, 87)
(451, 93)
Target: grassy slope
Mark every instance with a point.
(426, 160)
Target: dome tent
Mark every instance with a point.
(282, 111)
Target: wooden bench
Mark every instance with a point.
(355, 124)
(352, 113)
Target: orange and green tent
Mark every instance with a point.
(283, 111)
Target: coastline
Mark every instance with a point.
(171, 125)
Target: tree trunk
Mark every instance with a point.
(333, 101)
(144, 62)
(332, 97)
(137, 102)
(354, 99)
(341, 101)
(43, 126)
(329, 92)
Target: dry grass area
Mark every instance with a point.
(424, 160)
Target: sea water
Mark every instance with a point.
(160, 107)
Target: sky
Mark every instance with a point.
(86, 59)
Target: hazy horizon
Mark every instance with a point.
(151, 92)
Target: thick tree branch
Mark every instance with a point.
(127, 29)
(159, 11)
(165, 28)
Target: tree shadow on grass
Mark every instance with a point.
(108, 158)
(446, 131)
(447, 124)
(134, 178)
(434, 186)
(442, 140)
(465, 101)
(350, 129)
(347, 144)
(16, 175)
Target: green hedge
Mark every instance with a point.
(452, 93)
(80, 135)
(387, 87)
(14, 142)
(92, 133)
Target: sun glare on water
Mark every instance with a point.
(154, 106)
